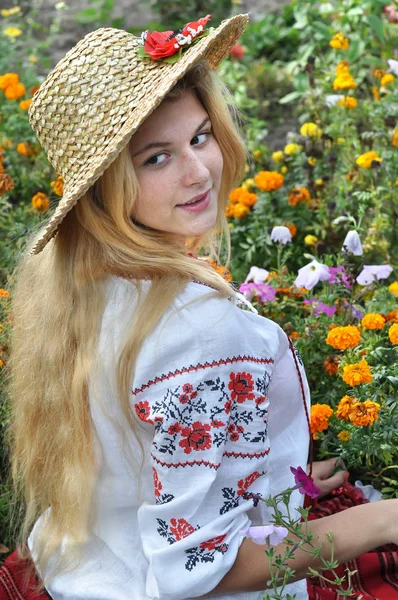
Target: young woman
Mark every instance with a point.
(148, 403)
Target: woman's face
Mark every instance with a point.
(177, 160)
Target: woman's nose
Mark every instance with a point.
(194, 170)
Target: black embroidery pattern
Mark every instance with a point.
(185, 418)
(232, 496)
(178, 529)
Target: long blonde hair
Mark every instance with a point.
(58, 302)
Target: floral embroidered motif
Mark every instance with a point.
(201, 367)
(208, 415)
(244, 484)
(241, 386)
(196, 437)
(156, 483)
(233, 497)
(143, 411)
(179, 529)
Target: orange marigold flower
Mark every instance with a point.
(269, 180)
(292, 228)
(33, 90)
(8, 79)
(393, 333)
(376, 93)
(344, 407)
(58, 185)
(241, 195)
(348, 102)
(387, 78)
(13, 92)
(357, 373)
(25, 149)
(331, 364)
(294, 335)
(24, 104)
(378, 73)
(342, 338)
(393, 288)
(4, 293)
(364, 413)
(320, 415)
(298, 194)
(40, 202)
(392, 316)
(6, 183)
(344, 436)
(373, 321)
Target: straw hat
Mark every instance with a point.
(96, 97)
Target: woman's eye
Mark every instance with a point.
(153, 160)
(202, 137)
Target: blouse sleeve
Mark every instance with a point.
(201, 389)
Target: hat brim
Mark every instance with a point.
(213, 48)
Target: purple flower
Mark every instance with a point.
(263, 534)
(339, 275)
(265, 293)
(352, 243)
(309, 275)
(371, 273)
(304, 483)
(321, 307)
(354, 311)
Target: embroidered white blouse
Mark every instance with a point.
(221, 415)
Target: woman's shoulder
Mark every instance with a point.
(198, 313)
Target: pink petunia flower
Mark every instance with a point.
(265, 534)
(304, 483)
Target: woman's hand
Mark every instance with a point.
(325, 477)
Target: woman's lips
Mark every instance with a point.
(198, 205)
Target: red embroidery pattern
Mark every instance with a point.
(190, 463)
(156, 483)
(199, 366)
(246, 454)
(232, 497)
(244, 484)
(241, 386)
(178, 529)
(196, 437)
(143, 411)
(213, 543)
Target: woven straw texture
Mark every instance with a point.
(96, 97)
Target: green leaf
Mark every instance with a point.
(377, 26)
(290, 97)
(173, 59)
(323, 29)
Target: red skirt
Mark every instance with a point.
(376, 576)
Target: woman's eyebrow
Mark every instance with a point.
(163, 144)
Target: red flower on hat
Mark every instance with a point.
(195, 28)
(160, 44)
(163, 44)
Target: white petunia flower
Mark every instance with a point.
(257, 275)
(371, 273)
(281, 234)
(333, 99)
(352, 243)
(393, 64)
(309, 275)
